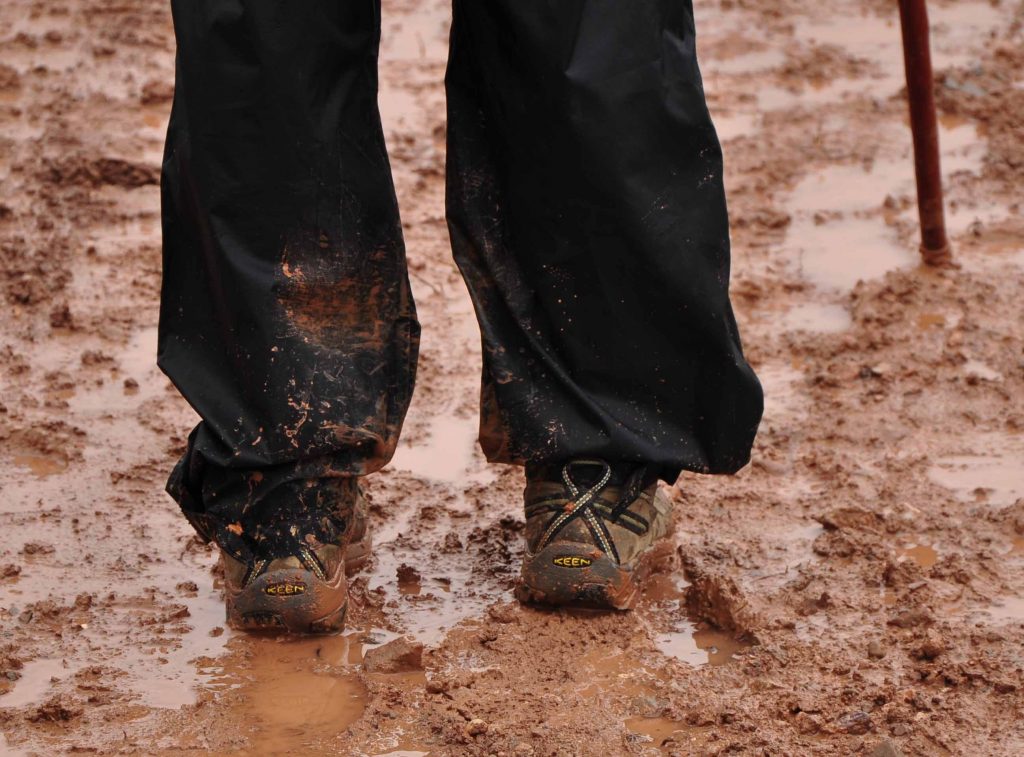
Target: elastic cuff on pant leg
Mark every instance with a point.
(271, 521)
(304, 513)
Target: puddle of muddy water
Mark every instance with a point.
(845, 188)
(397, 108)
(297, 694)
(34, 685)
(686, 641)
(1007, 610)
(157, 671)
(872, 38)
(293, 695)
(837, 254)
(433, 604)
(925, 555)
(179, 678)
(877, 38)
(422, 35)
(41, 466)
(782, 391)
(669, 736)
(816, 317)
(698, 647)
(750, 62)
(444, 591)
(616, 673)
(991, 472)
(730, 125)
(839, 234)
(447, 454)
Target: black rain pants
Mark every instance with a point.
(586, 211)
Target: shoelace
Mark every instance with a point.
(305, 556)
(285, 542)
(585, 504)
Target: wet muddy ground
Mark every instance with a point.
(858, 589)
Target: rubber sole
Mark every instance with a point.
(572, 574)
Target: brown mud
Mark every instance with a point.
(858, 589)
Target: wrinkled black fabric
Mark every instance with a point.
(586, 210)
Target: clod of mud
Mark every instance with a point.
(717, 599)
(56, 709)
(886, 748)
(924, 555)
(400, 655)
(101, 171)
(912, 618)
(850, 518)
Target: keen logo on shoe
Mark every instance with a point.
(286, 589)
(572, 561)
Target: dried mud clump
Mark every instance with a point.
(398, 656)
(157, 92)
(56, 709)
(97, 172)
(10, 668)
(32, 269)
(716, 598)
(9, 78)
(55, 440)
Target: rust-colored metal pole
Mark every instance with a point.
(917, 60)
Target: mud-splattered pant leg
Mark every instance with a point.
(587, 213)
(286, 318)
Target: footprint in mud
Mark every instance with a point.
(295, 693)
(694, 643)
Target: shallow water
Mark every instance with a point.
(41, 466)
(669, 736)
(817, 317)
(923, 554)
(990, 470)
(686, 641)
(1007, 609)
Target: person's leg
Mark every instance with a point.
(587, 213)
(286, 317)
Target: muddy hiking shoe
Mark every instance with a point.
(590, 543)
(305, 591)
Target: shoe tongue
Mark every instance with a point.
(586, 475)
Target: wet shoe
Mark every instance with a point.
(592, 544)
(304, 593)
